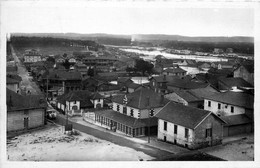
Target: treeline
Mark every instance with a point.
(114, 41)
(238, 47)
(21, 41)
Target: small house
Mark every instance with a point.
(190, 127)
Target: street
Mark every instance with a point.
(149, 150)
(26, 83)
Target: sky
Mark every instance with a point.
(40, 17)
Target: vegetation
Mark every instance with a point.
(238, 47)
(141, 66)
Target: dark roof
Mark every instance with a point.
(139, 99)
(133, 85)
(11, 69)
(96, 95)
(236, 119)
(83, 96)
(174, 70)
(202, 92)
(188, 96)
(185, 84)
(249, 68)
(164, 78)
(186, 116)
(123, 79)
(234, 98)
(12, 81)
(63, 75)
(127, 120)
(239, 82)
(16, 101)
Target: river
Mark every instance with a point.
(150, 55)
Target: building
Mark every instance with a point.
(230, 103)
(32, 56)
(186, 98)
(13, 82)
(132, 114)
(175, 72)
(226, 84)
(105, 64)
(182, 84)
(189, 127)
(24, 112)
(159, 83)
(76, 102)
(245, 71)
(55, 80)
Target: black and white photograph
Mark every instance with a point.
(153, 83)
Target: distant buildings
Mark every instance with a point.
(32, 56)
(245, 71)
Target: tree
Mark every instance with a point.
(143, 66)
(66, 64)
(91, 72)
(50, 59)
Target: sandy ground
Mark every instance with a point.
(242, 150)
(51, 144)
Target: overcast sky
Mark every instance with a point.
(39, 17)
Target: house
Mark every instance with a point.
(245, 71)
(132, 113)
(185, 97)
(24, 112)
(109, 76)
(11, 69)
(175, 72)
(102, 63)
(67, 80)
(236, 108)
(132, 87)
(222, 65)
(107, 89)
(225, 84)
(72, 60)
(190, 127)
(230, 103)
(75, 102)
(59, 59)
(204, 65)
(13, 82)
(181, 84)
(159, 83)
(32, 56)
(82, 68)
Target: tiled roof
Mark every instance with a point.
(239, 82)
(185, 84)
(188, 96)
(234, 98)
(165, 78)
(16, 101)
(63, 75)
(123, 79)
(179, 114)
(11, 69)
(175, 70)
(236, 119)
(127, 120)
(249, 68)
(133, 85)
(139, 99)
(12, 81)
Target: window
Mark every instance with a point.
(117, 108)
(208, 132)
(232, 109)
(209, 103)
(175, 129)
(219, 106)
(151, 112)
(132, 112)
(165, 126)
(75, 102)
(124, 110)
(186, 133)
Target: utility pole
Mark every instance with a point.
(149, 126)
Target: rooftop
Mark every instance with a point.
(234, 98)
(139, 99)
(179, 114)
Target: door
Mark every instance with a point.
(164, 139)
(26, 120)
